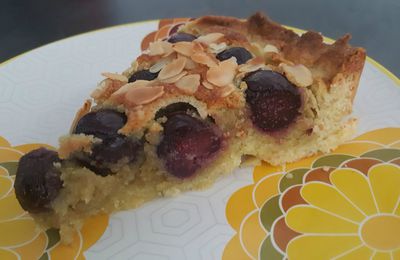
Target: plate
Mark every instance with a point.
(344, 204)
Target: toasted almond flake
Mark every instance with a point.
(270, 48)
(115, 76)
(203, 58)
(174, 78)
(207, 85)
(198, 47)
(298, 74)
(189, 83)
(210, 38)
(217, 47)
(125, 88)
(184, 48)
(143, 95)
(172, 69)
(160, 64)
(252, 65)
(155, 48)
(227, 90)
(223, 74)
(190, 64)
(160, 48)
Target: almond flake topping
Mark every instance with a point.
(184, 48)
(204, 58)
(270, 48)
(217, 47)
(125, 88)
(252, 65)
(160, 48)
(189, 83)
(143, 95)
(160, 64)
(224, 73)
(115, 76)
(298, 74)
(227, 90)
(174, 78)
(207, 85)
(172, 69)
(210, 38)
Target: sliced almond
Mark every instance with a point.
(189, 83)
(198, 47)
(174, 78)
(210, 38)
(125, 88)
(207, 85)
(203, 58)
(190, 64)
(160, 64)
(227, 90)
(298, 74)
(184, 48)
(224, 73)
(172, 69)
(217, 47)
(143, 95)
(252, 65)
(160, 48)
(270, 48)
(115, 76)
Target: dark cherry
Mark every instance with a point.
(115, 148)
(101, 123)
(143, 75)
(37, 182)
(241, 54)
(274, 102)
(179, 107)
(110, 151)
(188, 144)
(181, 37)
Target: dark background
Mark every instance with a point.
(374, 24)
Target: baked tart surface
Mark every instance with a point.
(191, 108)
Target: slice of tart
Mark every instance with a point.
(190, 109)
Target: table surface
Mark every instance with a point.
(374, 25)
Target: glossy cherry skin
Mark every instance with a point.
(101, 123)
(241, 54)
(181, 37)
(188, 144)
(142, 75)
(274, 102)
(38, 181)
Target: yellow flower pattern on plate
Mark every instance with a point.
(24, 240)
(344, 205)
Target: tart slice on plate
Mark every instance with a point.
(191, 108)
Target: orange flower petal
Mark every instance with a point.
(34, 249)
(234, 250)
(239, 205)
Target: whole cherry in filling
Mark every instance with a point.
(143, 75)
(274, 102)
(114, 147)
(37, 182)
(101, 123)
(181, 37)
(188, 144)
(241, 54)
